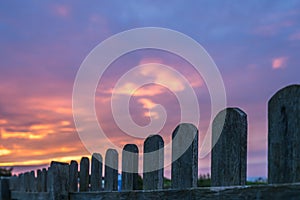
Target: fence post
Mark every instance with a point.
(4, 188)
(84, 174)
(39, 180)
(73, 173)
(184, 171)
(14, 183)
(22, 182)
(96, 172)
(59, 179)
(229, 155)
(111, 170)
(44, 180)
(32, 182)
(130, 167)
(27, 181)
(49, 179)
(284, 136)
(153, 166)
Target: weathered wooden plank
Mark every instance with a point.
(184, 156)
(284, 136)
(111, 170)
(73, 173)
(5, 192)
(44, 180)
(32, 182)
(17, 195)
(229, 155)
(84, 174)
(153, 167)
(130, 167)
(96, 172)
(59, 188)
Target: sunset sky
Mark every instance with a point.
(255, 45)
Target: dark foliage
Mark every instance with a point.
(6, 172)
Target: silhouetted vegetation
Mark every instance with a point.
(167, 183)
(6, 172)
(139, 183)
(258, 181)
(204, 180)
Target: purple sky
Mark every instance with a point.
(255, 45)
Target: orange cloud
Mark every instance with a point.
(164, 76)
(130, 89)
(157, 76)
(3, 121)
(4, 151)
(65, 159)
(26, 135)
(279, 62)
(148, 104)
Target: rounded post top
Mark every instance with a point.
(284, 92)
(186, 127)
(131, 148)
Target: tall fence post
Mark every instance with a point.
(96, 172)
(284, 136)
(27, 181)
(49, 179)
(4, 188)
(153, 166)
(84, 174)
(44, 180)
(14, 183)
(32, 182)
(229, 154)
(130, 167)
(73, 173)
(41, 180)
(59, 179)
(184, 170)
(111, 170)
(22, 182)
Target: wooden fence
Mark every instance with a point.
(228, 164)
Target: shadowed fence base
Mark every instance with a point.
(258, 192)
(274, 192)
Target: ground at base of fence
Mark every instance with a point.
(258, 192)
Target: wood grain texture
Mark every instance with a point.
(229, 155)
(153, 166)
(284, 136)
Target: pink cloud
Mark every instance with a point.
(272, 28)
(295, 36)
(279, 62)
(62, 10)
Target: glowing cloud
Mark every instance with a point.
(163, 76)
(155, 74)
(62, 10)
(148, 104)
(4, 151)
(26, 135)
(279, 62)
(66, 159)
